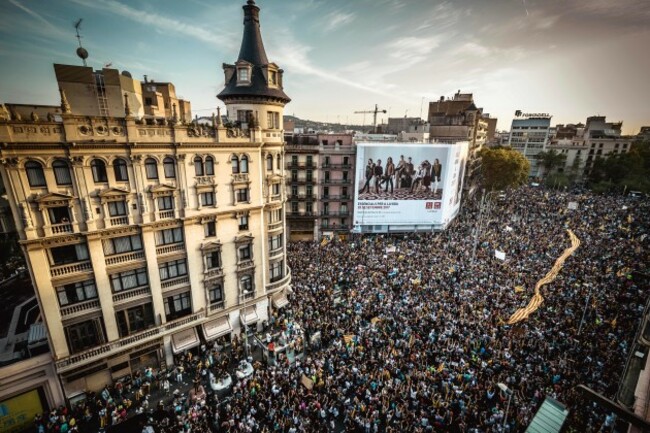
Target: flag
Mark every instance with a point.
(499, 255)
(519, 289)
(324, 241)
(348, 338)
(441, 367)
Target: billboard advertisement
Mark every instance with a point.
(404, 184)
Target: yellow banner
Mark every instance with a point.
(18, 412)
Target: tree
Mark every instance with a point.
(550, 160)
(503, 167)
(619, 172)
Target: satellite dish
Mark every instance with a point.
(127, 74)
(82, 53)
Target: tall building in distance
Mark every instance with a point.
(146, 235)
(529, 134)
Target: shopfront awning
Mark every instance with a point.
(216, 328)
(185, 340)
(280, 301)
(248, 316)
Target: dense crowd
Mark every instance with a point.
(408, 333)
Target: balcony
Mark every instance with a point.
(240, 178)
(124, 258)
(100, 352)
(166, 214)
(175, 282)
(335, 227)
(302, 215)
(61, 270)
(301, 180)
(217, 306)
(170, 249)
(204, 180)
(337, 181)
(337, 166)
(57, 229)
(132, 294)
(244, 298)
(245, 264)
(280, 284)
(276, 226)
(213, 273)
(302, 197)
(300, 165)
(276, 253)
(335, 213)
(118, 221)
(335, 197)
(80, 308)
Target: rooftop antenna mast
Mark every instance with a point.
(81, 51)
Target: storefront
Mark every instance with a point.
(216, 329)
(185, 340)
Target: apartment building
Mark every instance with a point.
(145, 239)
(529, 134)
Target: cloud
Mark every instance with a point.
(411, 50)
(50, 28)
(337, 19)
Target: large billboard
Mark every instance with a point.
(404, 184)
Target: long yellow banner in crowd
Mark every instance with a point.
(523, 313)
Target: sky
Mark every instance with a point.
(568, 58)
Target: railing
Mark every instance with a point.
(204, 180)
(119, 221)
(213, 273)
(80, 307)
(245, 298)
(164, 214)
(300, 165)
(141, 292)
(58, 271)
(303, 214)
(61, 228)
(123, 258)
(334, 227)
(341, 165)
(280, 283)
(174, 282)
(335, 213)
(217, 306)
(168, 249)
(276, 226)
(337, 181)
(276, 252)
(335, 197)
(123, 343)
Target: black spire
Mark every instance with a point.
(252, 47)
(258, 77)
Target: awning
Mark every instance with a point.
(280, 301)
(185, 340)
(216, 328)
(248, 316)
(550, 417)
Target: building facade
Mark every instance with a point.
(320, 177)
(529, 135)
(147, 239)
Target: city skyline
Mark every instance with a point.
(572, 59)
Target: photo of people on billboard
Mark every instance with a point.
(408, 183)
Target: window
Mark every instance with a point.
(69, 254)
(275, 189)
(76, 292)
(117, 208)
(243, 167)
(345, 175)
(61, 173)
(273, 120)
(243, 222)
(327, 176)
(166, 202)
(207, 198)
(245, 252)
(325, 142)
(84, 335)
(215, 294)
(134, 319)
(244, 116)
(327, 161)
(310, 160)
(346, 160)
(234, 163)
(269, 163)
(310, 175)
(310, 191)
(294, 190)
(169, 236)
(294, 207)
(173, 269)
(242, 74)
(124, 244)
(213, 259)
(344, 192)
(169, 167)
(121, 172)
(210, 229)
(294, 160)
(128, 280)
(242, 195)
(275, 242)
(35, 174)
(147, 101)
(151, 168)
(178, 306)
(278, 164)
(294, 175)
(209, 166)
(59, 215)
(198, 166)
(98, 168)
(273, 77)
(326, 191)
(276, 271)
(246, 286)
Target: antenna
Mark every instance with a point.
(81, 51)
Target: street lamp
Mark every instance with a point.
(503, 387)
(584, 312)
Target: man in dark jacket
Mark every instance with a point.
(368, 175)
(379, 173)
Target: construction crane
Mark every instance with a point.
(374, 118)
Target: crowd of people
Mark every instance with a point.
(408, 332)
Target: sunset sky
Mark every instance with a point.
(569, 58)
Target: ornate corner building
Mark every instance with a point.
(148, 236)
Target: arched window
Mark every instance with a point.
(99, 170)
(279, 162)
(198, 166)
(209, 166)
(234, 162)
(62, 172)
(244, 164)
(269, 163)
(169, 168)
(151, 167)
(121, 173)
(35, 174)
